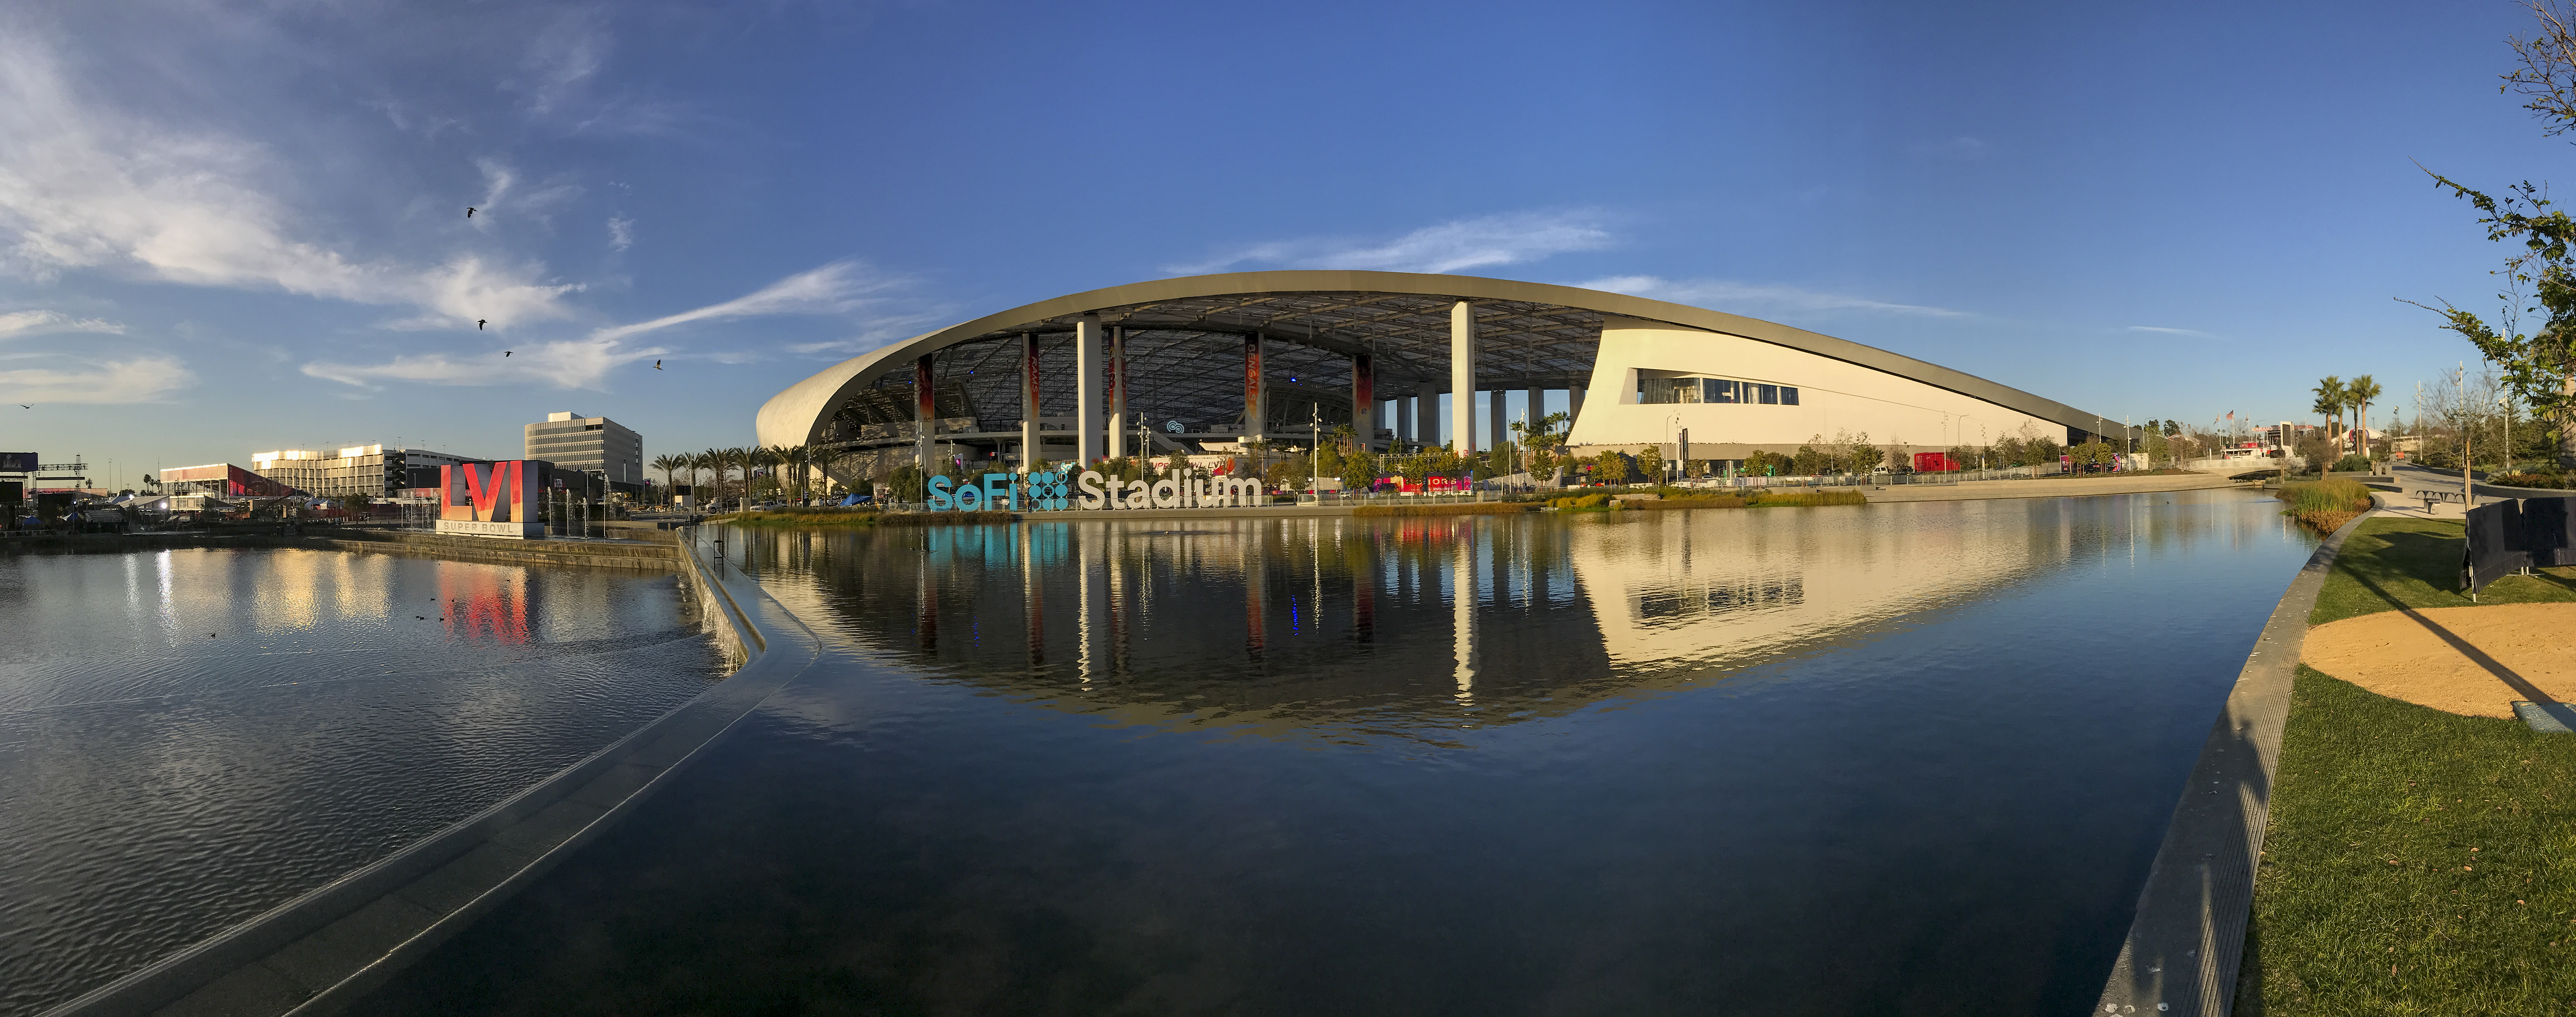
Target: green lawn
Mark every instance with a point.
(2418, 863)
(2393, 562)
(2371, 899)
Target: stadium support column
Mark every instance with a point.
(1028, 400)
(1462, 376)
(1494, 403)
(1426, 416)
(1364, 399)
(1405, 410)
(1118, 393)
(1537, 408)
(1256, 390)
(1086, 391)
(925, 411)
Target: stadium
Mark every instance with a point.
(1203, 364)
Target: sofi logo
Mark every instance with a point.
(1089, 491)
(503, 492)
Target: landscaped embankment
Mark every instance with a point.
(2417, 861)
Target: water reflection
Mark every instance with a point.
(1278, 627)
(1889, 759)
(190, 737)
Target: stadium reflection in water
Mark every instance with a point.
(1840, 760)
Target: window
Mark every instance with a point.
(1788, 396)
(1767, 395)
(1718, 391)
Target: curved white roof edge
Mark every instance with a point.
(796, 416)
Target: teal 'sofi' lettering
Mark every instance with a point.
(939, 499)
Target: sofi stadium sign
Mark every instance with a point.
(1065, 490)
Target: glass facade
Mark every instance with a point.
(1717, 390)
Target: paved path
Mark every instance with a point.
(2054, 487)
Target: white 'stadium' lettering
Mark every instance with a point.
(1091, 494)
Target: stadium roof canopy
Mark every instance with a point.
(1184, 352)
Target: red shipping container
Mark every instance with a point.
(1934, 462)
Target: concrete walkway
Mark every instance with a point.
(2054, 487)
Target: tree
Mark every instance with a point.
(2359, 392)
(1865, 456)
(1358, 471)
(1760, 463)
(2540, 367)
(1611, 467)
(1651, 463)
(666, 463)
(1809, 460)
(2331, 398)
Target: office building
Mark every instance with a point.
(592, 444)
(371, 470)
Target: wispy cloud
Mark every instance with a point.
(1453, 246)
(621, 233)
(133, 380)
(1961, 148)
(2171, 331)
(567, 363)
(1755, 299)
(839, 287)
(25, 323)
(83, 186)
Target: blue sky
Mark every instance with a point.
(230, 227)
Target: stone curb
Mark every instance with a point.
(2184, 948)
(320, 952)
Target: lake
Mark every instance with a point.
(1848, 760)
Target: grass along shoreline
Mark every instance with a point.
(2417, 862)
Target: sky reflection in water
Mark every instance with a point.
(1845, 760)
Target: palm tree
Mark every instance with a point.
(2359, 394)
(791, 461)
(2331, 397)
(718, 461)
(666, 463)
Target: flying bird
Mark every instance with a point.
(480, 322)
(507, 352)
(657, 365)
(469, 211)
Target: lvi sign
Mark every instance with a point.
(1089, 491)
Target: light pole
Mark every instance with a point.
(2506, 402)
(1672, 424)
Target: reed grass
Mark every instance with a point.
(2326, 504)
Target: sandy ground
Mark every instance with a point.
(2474, 661)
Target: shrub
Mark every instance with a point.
(2327, 504)
(2548, 481)
(1784, 500)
